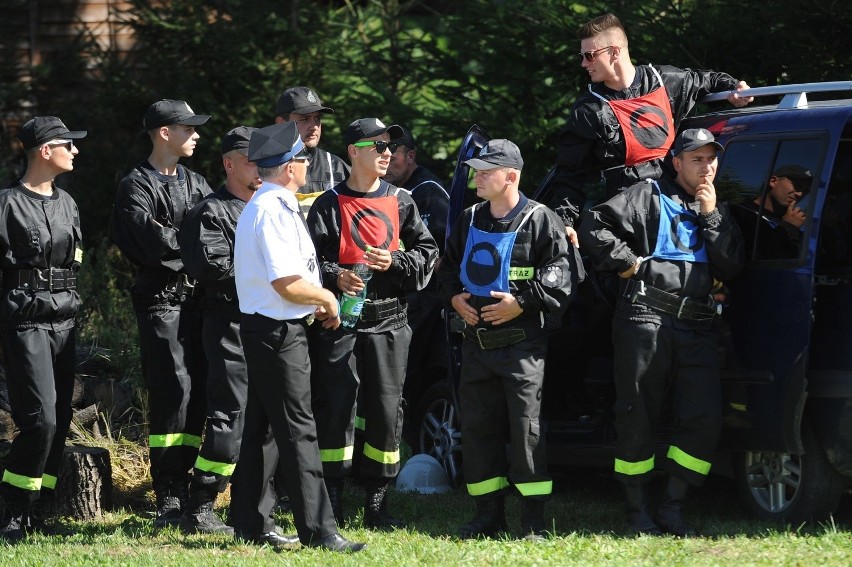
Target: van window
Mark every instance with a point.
(834, 250)
(772, 210)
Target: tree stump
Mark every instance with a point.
(84, 486)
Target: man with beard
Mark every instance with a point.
(302, 106)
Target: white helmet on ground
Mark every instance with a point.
(424, 475)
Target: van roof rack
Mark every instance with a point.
(795, 96)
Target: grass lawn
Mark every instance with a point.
(586, 514)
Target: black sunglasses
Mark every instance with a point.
(67, 144)
(590, 55)
(381, 145)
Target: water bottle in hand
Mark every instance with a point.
(351, 305)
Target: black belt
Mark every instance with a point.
(379, 310)
(681, 307)
(489, 339)
(35, 279)
(175, 282)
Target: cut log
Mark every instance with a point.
(84, 487)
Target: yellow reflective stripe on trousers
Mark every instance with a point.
(632, 469)
(384, 457)
(174, 440)
(535, 488)
(337, 455)
(21, 481)
(360, 423)
(687, 461)
(487, 486)
(222, 469)
(48, 481)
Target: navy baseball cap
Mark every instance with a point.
(167, 112)
(497, 153)
(694, 138)
(407, 138)
(800, 176)
(300, 100)
(276, 144)
(368, 128)
(237, 139)
(42, 129)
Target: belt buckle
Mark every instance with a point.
(309, 319)
(479, 337)
(682, 304)
(187, 282)
(638, 290)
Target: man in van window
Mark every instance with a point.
(779, 232)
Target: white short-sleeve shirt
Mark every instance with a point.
(272, 242)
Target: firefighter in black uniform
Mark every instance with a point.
(41, 248)
(623, 127)
(207, 250)
(365, 219)
(669, 241)
(150, 206)
(507, 264)
(302, 106)
(278, 280)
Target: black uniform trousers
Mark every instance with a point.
(40, 376)
(500, 402)
(279, 395)
(655, 356)
(175, 372)
(375, 364)
(227, 389)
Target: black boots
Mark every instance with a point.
(490, 518)
(376, 516)
(334, 487)
(669, 514)
(532, 519)
(638, 517)
(171, 500)
(12, 523)
(199, 516)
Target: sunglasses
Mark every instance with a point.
(67, 144)
(590, 55)
(381, 145)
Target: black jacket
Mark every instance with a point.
(540, 243)
(615, 233)
(38, 232)
(207, 243)
(147, 217)
(325, 170)
(411, 267)
(592, 142)
(432, 200)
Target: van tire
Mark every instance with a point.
(438, 429)
(788, 488)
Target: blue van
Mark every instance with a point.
(785, 334)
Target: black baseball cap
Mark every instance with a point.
(276, 144)
(167, 112)
(407, 138)
(497, 153)
(694, 138)
(237, 139)
(42, 129)
(368, 128)
(799, 175)
(300, 100)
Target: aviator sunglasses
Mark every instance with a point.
(590, 55)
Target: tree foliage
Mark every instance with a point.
(436, 66)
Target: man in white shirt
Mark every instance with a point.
(280, 294)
